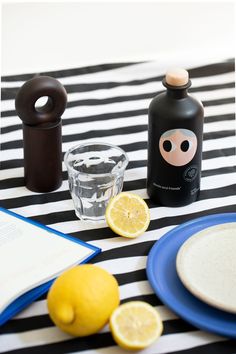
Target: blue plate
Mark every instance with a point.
(161, 273)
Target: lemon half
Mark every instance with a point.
(135, 325)
(128, 215)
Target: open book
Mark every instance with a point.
(31, 256)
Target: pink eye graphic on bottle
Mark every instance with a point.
(178, 146)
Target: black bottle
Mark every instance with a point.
(175, 133)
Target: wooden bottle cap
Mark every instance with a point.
(177, 77)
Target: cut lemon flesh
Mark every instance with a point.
(128, 215)
(135, 325)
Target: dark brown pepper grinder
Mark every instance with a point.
(42, 132)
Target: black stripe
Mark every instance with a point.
(131, 277)
(35, 199)
(201, 71)
(143, 248)
(218, 101)
(26, 324)
(70, 72)
(156, 225)
(12, 183)
(96, 341)
(223, 347)
(213, 87)
(141, 183)
(62, 195)
(218, 171)
(135, 184)
(218, 153)
(152, 299)
(219, 118)
(19, 181)
(104, 101)
(109, 116)
(86, 119)
(212, 69)
(177, 220)
(106, 233)
(10, 93)
(87, 135)
(41, 321)
(92, 134)
(177, 326)
(219, 134)
(128, 148)
(143, 96)
(18, 326)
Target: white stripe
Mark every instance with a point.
(166, 343)
(162, 212)
(125, 106)
(219, 126)
(130, 175)
(23, 191)
(115, 139)
(126, 291)
(156, 213)
(207, 164)
(19, 171)
(85, 127)
(212, 144)
(39, 308)
(113, 124)
(141, 173)
(124, 91)
(198, 206)
(32, 338)
(86, 111)
(217, 144)
(135, 289)
(218, 181)
(218, 162)
(11, 173)
(123, 265)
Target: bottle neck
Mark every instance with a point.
(177, 92)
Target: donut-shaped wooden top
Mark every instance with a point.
(31, 91)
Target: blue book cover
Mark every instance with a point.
(31, 257)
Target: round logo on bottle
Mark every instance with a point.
(190, 173)
(178, 146)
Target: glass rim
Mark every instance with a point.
(124, 164)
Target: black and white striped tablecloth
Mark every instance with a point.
(108, 103)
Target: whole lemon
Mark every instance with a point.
(82, 299)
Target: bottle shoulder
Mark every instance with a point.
(163, 104)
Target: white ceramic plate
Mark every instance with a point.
(206, 265)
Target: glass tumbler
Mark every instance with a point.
(95, 174)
